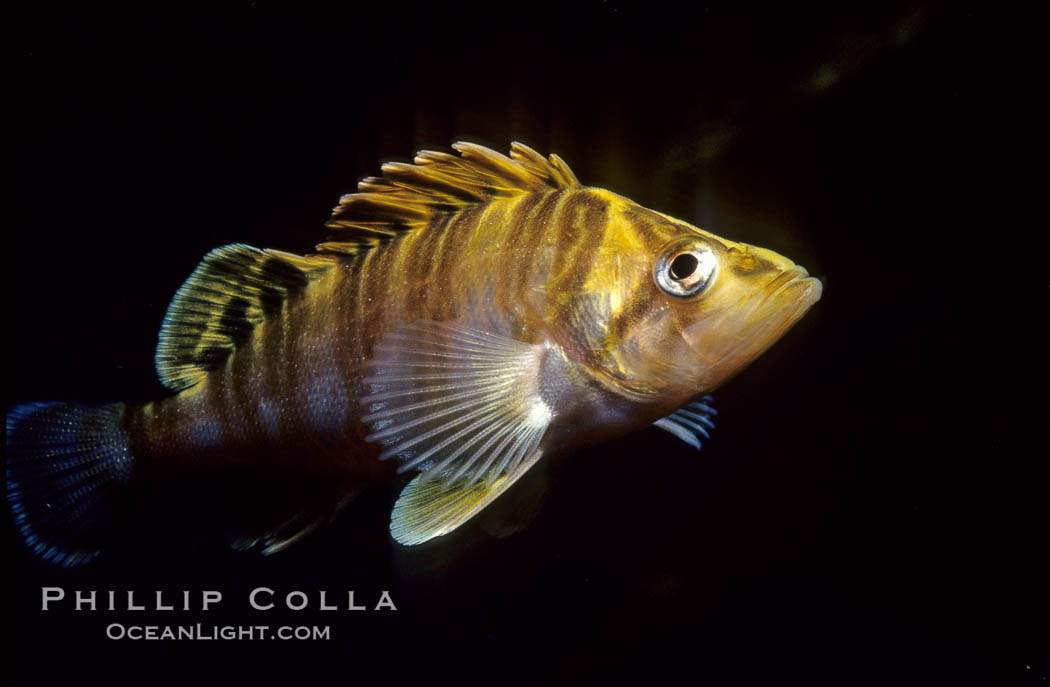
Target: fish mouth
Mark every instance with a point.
(787, 298)
(755, 324)
(796, 279)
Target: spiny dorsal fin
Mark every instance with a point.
(412, 196)
(233, 289)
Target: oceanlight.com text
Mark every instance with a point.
(202, 632)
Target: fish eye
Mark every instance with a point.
(683, 265)
(685, 268)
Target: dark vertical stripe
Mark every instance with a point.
(268, 356)
(426, 257)
(238, 392)
(646, 224)
(442, 299)
(585, 216)
(638, 301)
(356, 275)
(494, 230)
(215, 398)
(376, 274)
(534, 230)
(292, 326)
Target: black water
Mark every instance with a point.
(870, 510)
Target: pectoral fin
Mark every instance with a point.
(690, 422)
(463, 406)
(427, 508)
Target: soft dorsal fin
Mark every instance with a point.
(233, 289)
(411, 196)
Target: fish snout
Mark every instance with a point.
(771, 261)
(777, 272)
(756, 263)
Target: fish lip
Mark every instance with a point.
(807, 290)
(788, 278)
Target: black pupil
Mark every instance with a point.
(683, 265)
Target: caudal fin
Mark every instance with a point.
(66, 466)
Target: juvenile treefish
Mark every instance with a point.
(469, 316)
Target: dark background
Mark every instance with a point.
(869, 511)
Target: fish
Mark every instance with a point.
(469, 316)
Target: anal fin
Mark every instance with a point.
(290, 531)
(269, 513)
